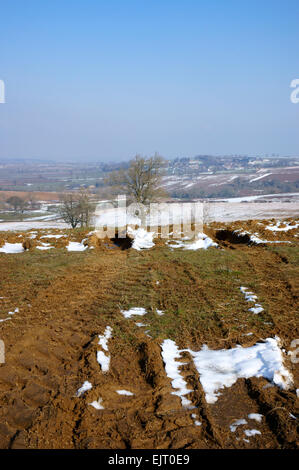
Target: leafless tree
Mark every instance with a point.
(76, 208)
(32, 202)
(85, 207)
(142, 181)
(69, 210)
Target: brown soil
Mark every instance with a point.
(67, 299)
(39, 195)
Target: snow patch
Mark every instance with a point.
(86, 386)
(142, 238)
(97, 404)
(196, 421)
(251, 297)
(254, 238)
(12, 248)
(257, 416)
(222, 368)
(76, 246)
(124, 392)
(260, 177)
(16, 310)
(236, 423)
(52, 236)
(278, 228)
(202, 242)
(160, 312)
(133, 311)
(103, 360)
(103, 339)
(251, 432)
(257, 309)
(170, 353)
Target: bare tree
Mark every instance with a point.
(69, 209)
(76, 208)
(85, 207)
(33, 202)
(142, 181)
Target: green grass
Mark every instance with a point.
(199, 291)
(17, 217)
(24, 273)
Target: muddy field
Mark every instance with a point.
(69, 328)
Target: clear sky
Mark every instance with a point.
(104, 80)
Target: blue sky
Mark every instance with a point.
(94, 80)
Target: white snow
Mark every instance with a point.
(142, 238)
(124, 392)
(257, 416)
(260, 177)
(222, 368)
(236, 423)
(159, 312)
(251, 297)
(251, 432)
(158, 215)
(133, 311)
(12, 248)
(44, 247)
(75, 246)
(257, 240)
(196, 421)
(175, 244)
(202, 242)
(103, 339)
(52, 236)
(16, 310)
(34, 224)
(97, 404)
(140, 324)
(277, 228)
(257, 309)
(170, 353)
(103, 360)
(86, 386)
(4, 319)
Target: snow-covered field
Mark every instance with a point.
(237, 210)
(228, 210)
(33, 224)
